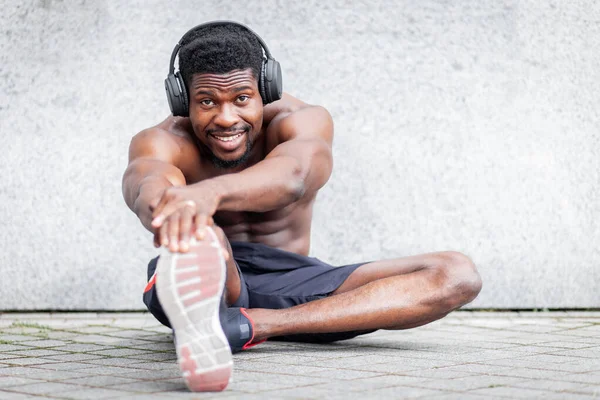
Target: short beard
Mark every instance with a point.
(225, 164)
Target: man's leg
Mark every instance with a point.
(392, 294)
(400, 293)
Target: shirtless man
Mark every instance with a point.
(227, 189)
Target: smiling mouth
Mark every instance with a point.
(228, 138)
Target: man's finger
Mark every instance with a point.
(160, 204)
(173, 232)
(201, 223)
(163, 232)
(185, 227)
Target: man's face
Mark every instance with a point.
(226, 112)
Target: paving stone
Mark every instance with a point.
(36, 352)
(73, 357)
(530, 373)
(7, 381)
(43, 388)
(38, 372)
(568, 367)
(593, 378)
(97, 329)
(14, 338)
(187, 395)
(584, 353)
(438, 373)
(330, 392)
(95, 393)
(27, 361)
(152, 365)
(96, 339)
(65, 366)
(258, 382)
(566, 344)
(404, 392)
(112, 361)
(82, 347)
(303, 370)
(127, 333)
(7, 356)
(170, 373)
(4, 395)
(551, 385)
(155, 346)
(90, 317)
(166, 356)
(43, 343)
(565, 395)
(150, 386)
(100, 380)
(458, 396)
(511, 392)
(61, 335)
(12, 347)
(468, 383)
(120, 352)
(369, 383)
(108, 370)
(18, 330)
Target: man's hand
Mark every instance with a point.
(183, 212)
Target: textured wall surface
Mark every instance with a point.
(467, 125)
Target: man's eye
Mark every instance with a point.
(206, 102)
(243, 98)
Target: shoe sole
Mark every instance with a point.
(189, 287)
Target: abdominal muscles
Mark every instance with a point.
(286, 229)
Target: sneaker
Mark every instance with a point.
(190, 289)
(239, 328)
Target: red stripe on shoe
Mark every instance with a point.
(151, 283)
(249, 342)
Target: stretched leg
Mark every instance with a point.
(392, 294)
(233, 284)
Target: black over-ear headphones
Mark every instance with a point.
(269, 81)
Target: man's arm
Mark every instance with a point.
(298, 166)
(151, 170)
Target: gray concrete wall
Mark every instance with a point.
(467, 125)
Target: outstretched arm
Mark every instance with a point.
(151, 170)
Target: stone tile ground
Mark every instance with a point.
(467, 355)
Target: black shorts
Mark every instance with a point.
(272, 278)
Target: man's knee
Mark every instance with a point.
(459, 281)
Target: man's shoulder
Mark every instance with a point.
(175, 130)
(283, 117)
(170, 140)
(284, 106)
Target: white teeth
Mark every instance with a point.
(228, 139)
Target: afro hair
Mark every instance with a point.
(219, 49)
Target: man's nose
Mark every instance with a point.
(227, 116)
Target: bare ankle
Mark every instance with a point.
(262, 324)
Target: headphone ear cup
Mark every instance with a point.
(176, 95)
(185, 111)
(271, 80)
(261, 83)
